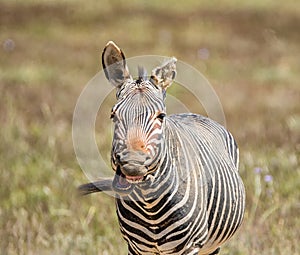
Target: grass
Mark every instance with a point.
(50, 50)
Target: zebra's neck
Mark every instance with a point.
(162, 182)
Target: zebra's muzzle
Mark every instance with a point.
(124, 184)
(133, 163)
(120, 183)
(132, 167)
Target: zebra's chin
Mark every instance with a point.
(123, 184)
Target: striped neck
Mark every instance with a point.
(161, 182)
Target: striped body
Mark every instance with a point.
(177, 183)
(194, 201)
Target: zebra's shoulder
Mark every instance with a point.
(204, 125)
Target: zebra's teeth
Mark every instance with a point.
(134, 179)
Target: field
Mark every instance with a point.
(51, 49)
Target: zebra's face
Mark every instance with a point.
(138, 118)
(138, 130)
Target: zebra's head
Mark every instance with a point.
(138, 117)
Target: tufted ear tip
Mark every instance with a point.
(112, 46)
(111, 43)
(173, 59)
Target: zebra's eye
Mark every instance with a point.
(161, 116)
(112, 114)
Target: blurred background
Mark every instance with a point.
(50, 49)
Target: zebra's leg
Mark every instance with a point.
(216, 251)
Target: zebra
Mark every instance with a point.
(177, 186)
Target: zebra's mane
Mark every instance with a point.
(142, 74)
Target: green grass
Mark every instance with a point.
(253, 66)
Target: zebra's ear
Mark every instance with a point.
(114, 64)
(164, 75)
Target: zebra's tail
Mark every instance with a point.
(97, 186)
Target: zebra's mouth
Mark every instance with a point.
(124, 184)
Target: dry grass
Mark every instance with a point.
(50, 50)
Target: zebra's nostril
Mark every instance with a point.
(118, 156)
